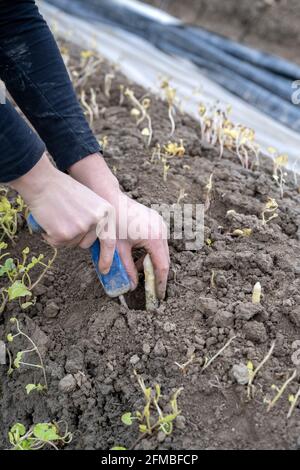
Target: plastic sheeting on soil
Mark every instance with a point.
(260, 79)
(145, 64)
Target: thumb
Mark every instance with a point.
(125, 252)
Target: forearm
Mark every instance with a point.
(35, 75)
(20, 147)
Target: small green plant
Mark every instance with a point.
(152, 418)
(9, 213)
(19, 360)
(18, 274)
(208, 362)
(38, 436)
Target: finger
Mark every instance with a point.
(125, 252)
(88, 239)
(159, 252)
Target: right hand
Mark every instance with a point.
(68, 211)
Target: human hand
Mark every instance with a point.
(137, 226)
(69, 212)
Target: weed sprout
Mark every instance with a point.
(17, 272)
(9, 213)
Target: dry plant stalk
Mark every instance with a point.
(293, 403)
(207, 362)
(281, 390)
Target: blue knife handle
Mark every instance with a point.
(116, 282)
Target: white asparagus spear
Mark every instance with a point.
(151, 299)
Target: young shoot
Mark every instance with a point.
(142, 108)
(9, 213)
(108, 83)
(269, 211)
(183, 367)
(256, 294)
(208, 188)
(172, 149)
(18, 274)
(253, 372)
(208, 362)
(280, 391)
(152, 418)
(39, 436)
(20, 361)
(280, 162)
(170, 95)
(293, 399)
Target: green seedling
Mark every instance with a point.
(293, 400)
(279, 391)
(269, 211)
(18, 274)
(253, 372)
(182, 195)
(9, 213)
(152, 419)
(142, 108)
(256, 294)
(38, 436)
(208, 362)
(19, 360)
(170, 95)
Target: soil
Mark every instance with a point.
(270, 25)
(94, 344)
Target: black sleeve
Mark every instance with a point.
(34, 73)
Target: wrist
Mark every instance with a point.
(31, 185)
(93, 172)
